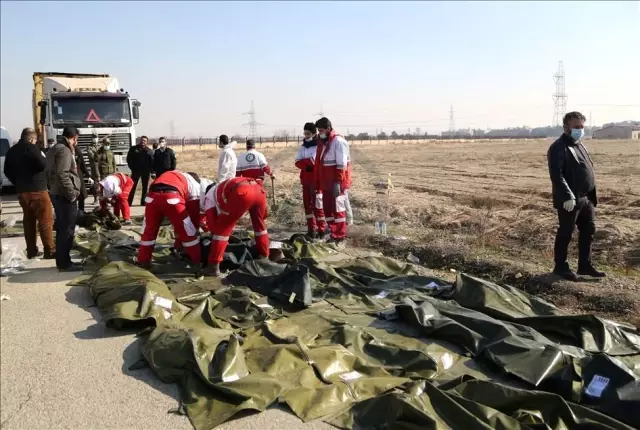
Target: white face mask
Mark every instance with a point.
(163, 144)
(308, 139)
(323, 136)
(107, 147)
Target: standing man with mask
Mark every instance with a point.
(331, 169)
(574, 197)
(25, 168)
(227, 162)
(311, 197)
(104, 163)
(140, 161)
(65, 186)
(164, 158)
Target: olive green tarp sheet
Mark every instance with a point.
(370, 343)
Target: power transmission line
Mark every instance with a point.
(560, 96)
(452, 123)
(252, 124)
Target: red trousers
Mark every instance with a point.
(313, 210)
(172, 205)
(336, 212)
(249, 197)
(120, 203)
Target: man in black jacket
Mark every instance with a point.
(164, 159)
(65, 186)
(25, 167)
(574, 197)
(140, 161)
(83, 173)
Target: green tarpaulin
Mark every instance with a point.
(365, 343)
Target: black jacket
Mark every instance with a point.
(568, 173)
(83, 172)
(140, 160)
(25, 166)
(163, 161)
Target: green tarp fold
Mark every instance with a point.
(369, 343)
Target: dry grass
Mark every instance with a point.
(484, 201)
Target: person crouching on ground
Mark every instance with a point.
(175, 195)
(116, 188)
(311, 197)
(225, 203)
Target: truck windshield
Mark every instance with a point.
(91, 110)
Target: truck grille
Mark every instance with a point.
(120, 142)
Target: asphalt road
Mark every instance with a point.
(62, 368)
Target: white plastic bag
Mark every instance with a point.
(13, 260)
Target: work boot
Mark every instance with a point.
(127, 222)
(321, 236)
(146, 266)
(565, 272)
(38, 254)
(211, 270)
(73, 267)
(311, 234)
(589, 270)
(49, 255)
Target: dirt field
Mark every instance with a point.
(483, 208)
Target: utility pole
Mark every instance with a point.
(252, 124)
(172, 129)
(452, 123)
(560, 96)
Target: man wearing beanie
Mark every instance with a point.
(311, 194)
(332, 170)
(227, 162)
(253, 164)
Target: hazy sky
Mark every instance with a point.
(368, 65)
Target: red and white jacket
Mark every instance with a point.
(305, 161)
(187, 187)
(333, 163)
(252, 164)
(112, 185)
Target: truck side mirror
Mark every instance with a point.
(43, 112)
(136, 112)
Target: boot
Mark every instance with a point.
(211, 270)
(311, 234)
(565, 272)
(587, 269)
(146, 266)
(48, 255)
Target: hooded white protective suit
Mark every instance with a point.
(227, 162)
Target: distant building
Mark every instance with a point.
(617, 131)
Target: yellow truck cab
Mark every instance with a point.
(93, 103)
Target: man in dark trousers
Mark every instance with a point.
(574, 197)
(140, 161)
(164, 159)
(25, 167)
(83, 172)
(64, 186)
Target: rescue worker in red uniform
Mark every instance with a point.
(311, 195)
(175, 195)
(225, 203)
(253, 164)
(116, 187)
(332, 167)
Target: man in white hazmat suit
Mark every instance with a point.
(227, 162)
